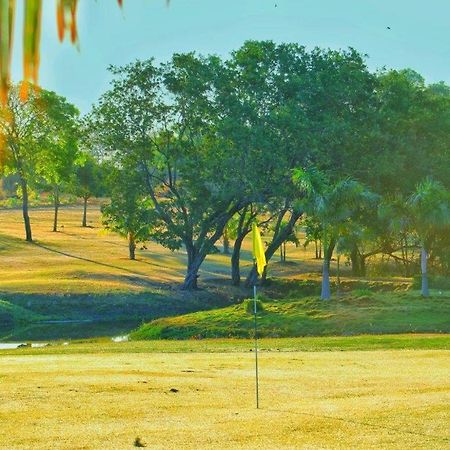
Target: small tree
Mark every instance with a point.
(430, 207)
(88, 182)
(336, 207)
(129, 213)
(56, 160)
(313, 231)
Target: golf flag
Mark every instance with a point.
(258, 250)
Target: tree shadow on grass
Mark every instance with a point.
(10, 244)
(98, 263)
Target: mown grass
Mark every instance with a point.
(353, 313)
(382, 399)
(304, 344)
(78, 260)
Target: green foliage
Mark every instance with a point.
(430, 210)
(129, 211)
(89, 180)
(438, 282)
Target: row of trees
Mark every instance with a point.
(198, 148)
(40, 139)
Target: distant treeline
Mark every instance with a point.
(194, 150)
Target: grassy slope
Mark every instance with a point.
(10, 312)
(79, 260)
(85, 274)
(368, 312)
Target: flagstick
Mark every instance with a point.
(256, 350)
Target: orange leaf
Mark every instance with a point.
(7, 8)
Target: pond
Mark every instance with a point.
(64, 330)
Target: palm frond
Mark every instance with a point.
(31, 42)
(7, 9)
(66, 17)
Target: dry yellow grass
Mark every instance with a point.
(90, 260)
(394, 399)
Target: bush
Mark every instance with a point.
(308, 287)
(434, 281)
(363, 293)
(249, 306)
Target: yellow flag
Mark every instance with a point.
(258, 250)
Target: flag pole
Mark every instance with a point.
(256, 348)
(260, 264)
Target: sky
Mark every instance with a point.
(418, 38)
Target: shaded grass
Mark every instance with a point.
(23, 316)
(12, 313)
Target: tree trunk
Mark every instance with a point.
(194, 262)
(26, 217)
(327, 254)
(84, 222)
(56, 204)
(355, 261)
(283, 247)
(226, 243)
(358, 262)
(407, 273)
(338, 275)
(423, 266)
(325, 292)
(362, 266)
(235, 261)
(131, 246)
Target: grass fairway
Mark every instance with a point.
(369, 391)
(92, 261)
(93, 396)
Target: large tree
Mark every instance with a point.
(162, 121)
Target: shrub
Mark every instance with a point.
(249, 306)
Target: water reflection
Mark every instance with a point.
(57, 331)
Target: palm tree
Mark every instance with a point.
(430, 211)
(336, 207)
